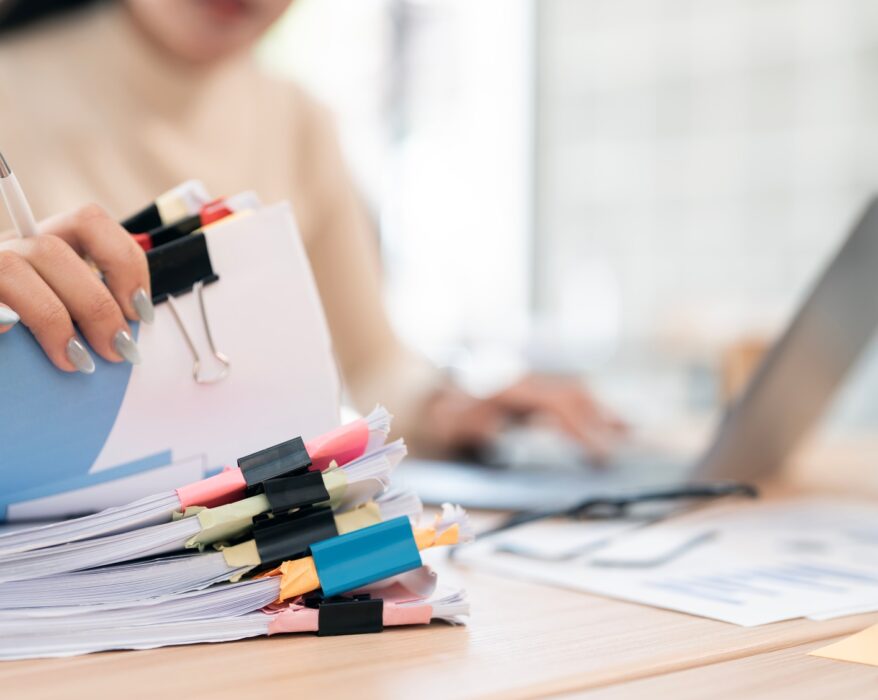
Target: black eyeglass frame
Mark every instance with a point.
(618, 506)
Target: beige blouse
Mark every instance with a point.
(91, 111)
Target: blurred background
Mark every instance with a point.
(639, 191)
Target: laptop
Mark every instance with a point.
(785, 398)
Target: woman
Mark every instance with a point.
(116, 101)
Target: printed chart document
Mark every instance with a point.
(129, 431)
(749, 564)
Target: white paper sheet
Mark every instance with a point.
(768, 562)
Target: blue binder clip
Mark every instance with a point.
(364, 556)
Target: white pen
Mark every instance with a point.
(19, 210)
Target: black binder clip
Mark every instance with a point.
(290, 536)
(285, 459)
(176, 268)
(293, 492)
(357, 614)
(162, 235)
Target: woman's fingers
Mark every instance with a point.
(92, 233)
(42, 312)
(460, 422)
(87, 299)
(45, 283)
(569, 406)
(578, 418)
(604, 414)
(567, 412)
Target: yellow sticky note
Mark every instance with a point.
(861, 648)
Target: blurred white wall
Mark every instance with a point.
(707, 157)
(434, 102)
(709, 154)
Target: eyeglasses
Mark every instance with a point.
(675, 499)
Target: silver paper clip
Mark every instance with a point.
(198, 289)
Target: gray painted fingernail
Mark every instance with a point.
(8, 317)
(79, 356)
(143, 306)
(126, 347)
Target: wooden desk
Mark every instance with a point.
(784, 673)
(524, 641)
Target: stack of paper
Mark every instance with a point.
(745, 564)
(300, 536)
(331, 550)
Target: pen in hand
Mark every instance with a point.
(19, 210)
(22, 218)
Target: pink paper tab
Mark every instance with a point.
(395, 615)
(226, 487)
(342, 445)
(297, 618)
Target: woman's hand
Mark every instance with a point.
(462, 422)
(46, 282)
